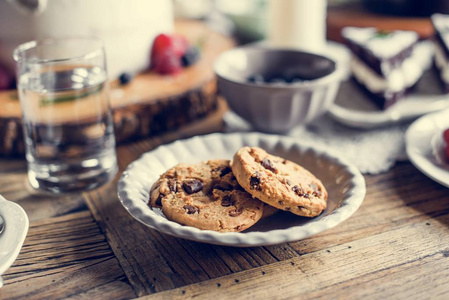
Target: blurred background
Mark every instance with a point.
(248, 19)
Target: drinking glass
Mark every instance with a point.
(67, 121)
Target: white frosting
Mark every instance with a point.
(382, 47)
(441, 24)
(442, 63)
(398, 79)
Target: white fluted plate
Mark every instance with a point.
(345, 184)
(425, 146)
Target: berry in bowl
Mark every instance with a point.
(276, 90)
(440, 147)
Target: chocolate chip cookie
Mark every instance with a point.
(207, 196)
(279, 182)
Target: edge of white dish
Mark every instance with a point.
(13, 235)
(128, 192)
(406, 109)
(420, 143)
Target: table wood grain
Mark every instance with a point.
(85, 246)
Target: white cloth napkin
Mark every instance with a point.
(373, 151)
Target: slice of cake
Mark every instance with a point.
(386, 64)
(441, 24)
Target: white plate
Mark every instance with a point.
(345, 184)
(13, 235)
(353, 107)
(425, 146)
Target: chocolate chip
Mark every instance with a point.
(159, 200)
(280, 202)
(284, 161)
(301, 207)
(192, 186)
(191, 209)
(298, 191)
(224, 171)
(267, 164)
(307, 196)
(235, 212)
(223, 186)
(172, 185)
(254, 181)
(239, 188)
(316, 190)
(227, 201)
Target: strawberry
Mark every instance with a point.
(181, 45)
(167, 62)
(176, 45)
(446, 151)
(446, 136)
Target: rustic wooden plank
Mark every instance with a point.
(157, 262)
(154, 263)
(412, 251)
(118, 289)
(394, 199)
(65, 257)
(414, 277)
(14, 187)
(383, 211)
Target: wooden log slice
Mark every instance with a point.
(151, 103)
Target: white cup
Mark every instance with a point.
(299, 24)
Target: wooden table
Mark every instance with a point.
(86, 246)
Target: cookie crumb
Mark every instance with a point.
(298, 191)
(227, 201)
(191, 209)
(235, 212)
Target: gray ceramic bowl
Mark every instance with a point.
(271, 107)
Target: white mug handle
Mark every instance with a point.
(29, 6)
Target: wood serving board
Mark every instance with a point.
(355, 15)
(151, 103)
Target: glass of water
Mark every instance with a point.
(64, 95)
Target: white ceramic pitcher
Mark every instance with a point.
(128, 28)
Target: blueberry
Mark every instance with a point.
(125, 78)
(257, 79)
(190, 57)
